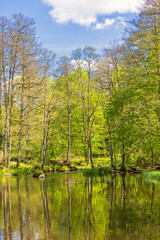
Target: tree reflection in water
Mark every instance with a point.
(71, 206)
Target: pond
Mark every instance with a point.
(70, 206)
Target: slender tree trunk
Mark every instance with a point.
(91, 155)
(115, 159)
(88, 116)
(28, 131)
(5, 136)
(152, 155)
(28, 143)
(84, 124)
(0, 90)
(1, 134)
(21, 121)
(110, 142)
(12, 67)
(46, 138)
(123, 159)
(69, 133)
(46, 144)
(88, 149)
(44, 153)
(10, 129)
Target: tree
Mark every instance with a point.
(47, 62)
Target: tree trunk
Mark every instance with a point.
(88, 151)
(123, 168)
(21, 121)
(152, 155)
(91, 155)
(69, 133)
(0, 90)
(44, 143)
(111, 147)
(115, 159)
(10, 129)
(5, 136)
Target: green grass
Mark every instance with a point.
(21, 170)
(17, 172)
(151, 174)
(98, 171)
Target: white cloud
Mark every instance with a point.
(111, 21)
(121, 20)
(108, 22)
(85, 12)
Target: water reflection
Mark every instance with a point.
(71, 206)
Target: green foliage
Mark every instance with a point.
(57, 168)
(98, 171)
(102, 110)
(37, 173)
(21, 171)
(64, 169)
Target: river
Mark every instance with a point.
(70, 206)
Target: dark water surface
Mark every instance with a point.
(71, 206)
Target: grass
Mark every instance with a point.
(21, 170)
(17, 172)
(98, 171)
(151, 174)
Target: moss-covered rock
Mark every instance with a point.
(37, 173)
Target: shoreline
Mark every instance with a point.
(97, 171)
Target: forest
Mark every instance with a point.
(85, 106)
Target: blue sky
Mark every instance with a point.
(64, 25)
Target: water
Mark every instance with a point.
(73, 207)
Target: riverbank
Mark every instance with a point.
(55, 166)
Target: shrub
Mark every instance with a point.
(64, 169)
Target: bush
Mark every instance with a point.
(64, 169)
(57, 168)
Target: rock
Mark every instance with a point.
(42, 176)
(8, 175)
